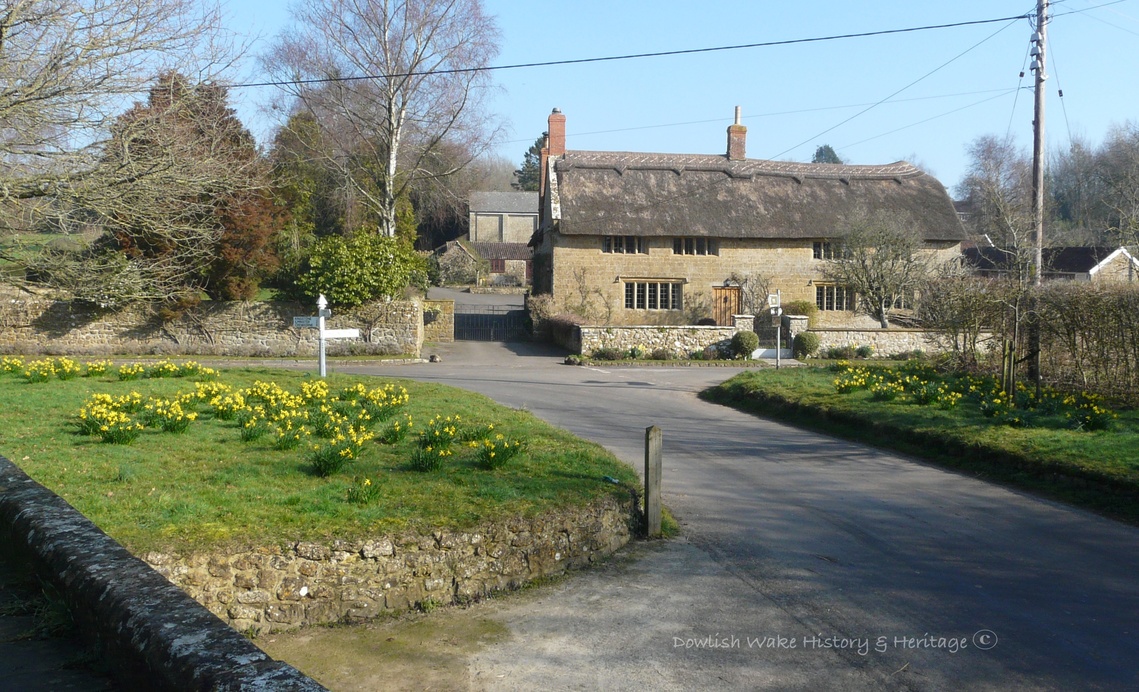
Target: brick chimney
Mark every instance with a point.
(737, 139)
(557, 141)
(555, 146)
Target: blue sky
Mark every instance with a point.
(954, 84)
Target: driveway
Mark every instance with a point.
(806, 562)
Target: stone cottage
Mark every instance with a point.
(642, 238)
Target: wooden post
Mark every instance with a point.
(653, 455)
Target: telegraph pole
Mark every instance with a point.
(1039, 40)
(1038, 53)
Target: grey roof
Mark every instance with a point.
(1065, 260)
(507, 202)
(502, 251)
(624, 193)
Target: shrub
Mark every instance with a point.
(864, 351)
(353, 271)
(662, 354)
(744, 344)
(607, 353)
(840, 352)
(806, 308)
(805, 345)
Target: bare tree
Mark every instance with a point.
(178, 195)
(1118, 168)
(882, 260)
(67, 67)
(395, 81)
(998, 187)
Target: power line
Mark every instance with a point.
(884, 100)
(631, 56)
(1004, 92)
(771, 114)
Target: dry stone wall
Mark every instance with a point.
(885, 342)
(439, 321)
(280, 588)
(681, 341)
(36, 325)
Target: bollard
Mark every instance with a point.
(653, 455)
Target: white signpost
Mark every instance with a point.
(317, 322)
(774, 301)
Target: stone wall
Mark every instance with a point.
(439, 329)
(681, 341)
(885, 342)
(155, 636)
(271, 589)
(35, 325)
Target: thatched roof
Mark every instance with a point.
(623, 193)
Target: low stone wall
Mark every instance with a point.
(500, 290)
(35, 325)
(271, 589)
(680, 340)
(885, 342)
(159, 637)
(439, 329)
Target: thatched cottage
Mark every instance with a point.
(636, 238)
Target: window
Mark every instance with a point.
(824, 250)
(653, 295)
(498, 266)
(624, 245)
(694, 246)
(834, 298)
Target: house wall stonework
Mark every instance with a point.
(304, 584)
(502, 227)
(1120, 270)
(590, 282)
(212, 328)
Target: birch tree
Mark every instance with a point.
(389, 82)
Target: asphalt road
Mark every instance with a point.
(806, 562)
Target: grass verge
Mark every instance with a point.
(1098, 470)
(206, 487)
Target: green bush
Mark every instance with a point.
(805, 345)
(803, 307)
(365, 267)
(744, 344)
(864, 351)
(607, 353)
(840, 352)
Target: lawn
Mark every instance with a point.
(222, 483)
(1071, 447)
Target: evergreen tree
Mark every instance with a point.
(529, 176)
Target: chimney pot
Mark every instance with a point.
(557, 130)
(737, 139)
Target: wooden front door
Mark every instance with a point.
(725, 303)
